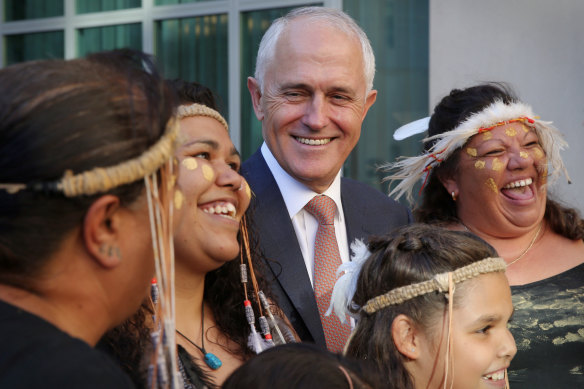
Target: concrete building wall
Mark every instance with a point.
(535, 45)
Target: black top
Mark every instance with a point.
(36, 354)
(548, 326)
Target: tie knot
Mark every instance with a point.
(322, 208)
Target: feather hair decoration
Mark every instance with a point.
(412, 128)
(344, 290)
(408, 170)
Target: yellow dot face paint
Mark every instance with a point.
(523, 154)
(491, 184)
(208, 173)
(479, 164)
(487, 135)
(510, 132)
(497, 165)
(178, 199)
(190, 163)
(538, 153)
(247, 190)
(471, 151)
(525, 128)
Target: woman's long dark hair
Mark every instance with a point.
(406, 256)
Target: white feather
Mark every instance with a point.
(254, 341)
(344, 290)
(412, 128)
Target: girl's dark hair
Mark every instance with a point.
(58, 116)
(437, 205)
(303, 365)
(406, 256)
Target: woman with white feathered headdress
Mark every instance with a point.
(486, 167)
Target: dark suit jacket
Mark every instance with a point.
(367, 212)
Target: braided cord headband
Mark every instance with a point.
(440, 283)
(99, 180)
(409, 170)
(200, 110)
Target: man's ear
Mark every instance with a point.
(101, 231)
(369, 100)
(406, 336)
(256, 95)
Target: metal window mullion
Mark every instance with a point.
(70, 32)
(234, 72)
(148, 26)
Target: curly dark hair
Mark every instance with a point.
(406, 256)
(437, 205)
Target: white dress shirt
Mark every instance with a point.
(296, 196)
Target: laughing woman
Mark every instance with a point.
(487, 161)
(211, 322)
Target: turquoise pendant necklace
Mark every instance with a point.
(210, 359)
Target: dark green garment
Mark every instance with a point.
(548, 326)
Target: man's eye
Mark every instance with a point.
(202, 155)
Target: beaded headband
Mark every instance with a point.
(409, 170)
(195, 109)
(440, 283)
(99, 179)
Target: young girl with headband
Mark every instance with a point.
(432, 308)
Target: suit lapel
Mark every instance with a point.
(278, 239)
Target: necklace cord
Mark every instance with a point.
(202, 348)
(524, 251)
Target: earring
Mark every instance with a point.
(453, 196)
(111, 251)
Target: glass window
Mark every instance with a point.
(91, 40)
(28, 47)
(399, 33)
(195, 49)
(32, 9)
(170, 2)
(88, 6)
(253, 26)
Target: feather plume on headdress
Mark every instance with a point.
(346, 285)
(408, 170)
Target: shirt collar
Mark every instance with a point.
(296, 195)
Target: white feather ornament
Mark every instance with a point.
(346, 285)
(412, 128)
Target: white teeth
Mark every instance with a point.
(226, 209)
(313, 142)
(518, 184)
(495, 376)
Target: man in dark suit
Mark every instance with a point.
(311, 91)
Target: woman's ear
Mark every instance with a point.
(406, 336)
(101, 231)
(450, 185)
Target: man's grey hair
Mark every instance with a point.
(333, 17)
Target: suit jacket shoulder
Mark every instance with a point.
(370, 212)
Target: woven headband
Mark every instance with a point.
(200, 110)
(438, 283)
(409, 170)
(99, 180)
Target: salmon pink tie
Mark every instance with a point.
(326, 262)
